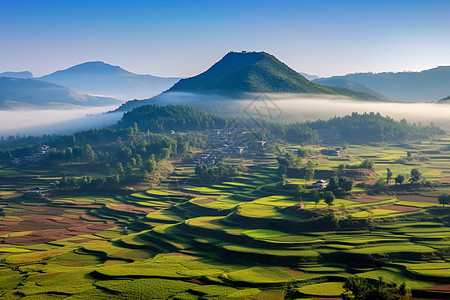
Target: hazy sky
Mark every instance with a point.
(183, 38)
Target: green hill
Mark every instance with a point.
(256, 72)
(235, 76)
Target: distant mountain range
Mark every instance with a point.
(99, 78)
(234, 76)
(240, 73)
(23, 75)
(18, 93)
(425, 86)
(309, 76)
(350, 85)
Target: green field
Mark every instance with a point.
(242, 238)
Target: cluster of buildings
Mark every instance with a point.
(40, 153)
(229, 142)
(319, 184)
(332, 152)
(37, 192)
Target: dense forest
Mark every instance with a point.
(373, 127)
(173, 117)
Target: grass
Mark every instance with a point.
(33, 257)
(5, 172)
(264, 233)
(151, 288)
(273, 252)
(61, 280)
(108, 250)
(395, 275)
(6, 193)
(204, 190)
(376, 212)
(416, 204)
(325, 289)
(13, 250)
(252, 210)
(197, 234)
(260, 275)
(393, 248)
(322, 269)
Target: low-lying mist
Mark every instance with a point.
(282, 107)
(39, 122)
(295, 107)
(313, 108)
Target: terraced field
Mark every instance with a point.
(245, 238)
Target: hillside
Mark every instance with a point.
(32, 93)
(350, 85)
(99, 78)
(422, 86)
(235, 76)
(255, 72)
(23, 75)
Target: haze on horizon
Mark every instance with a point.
(183, 39)
(293, 107)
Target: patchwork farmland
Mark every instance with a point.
(243, 238)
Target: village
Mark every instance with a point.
(37, 155)
(231, 143)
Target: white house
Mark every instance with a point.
(320, 184)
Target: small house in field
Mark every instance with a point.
(320, 184)
(37, 192)
(332, 152)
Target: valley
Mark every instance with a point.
(247, 150)
(248, 236)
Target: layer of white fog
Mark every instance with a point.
(284, 107)
(39, 122)
(296, 107)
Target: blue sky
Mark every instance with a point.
(183, 38)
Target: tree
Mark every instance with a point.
(150, 164)
(356, 288)
(389, 175)
(380, 182)
(119, 168)
(399, 179)
(310, 168)
(315, 196)
(89, 152)
(310, 165)
(444, 199)
(298, 193)
(303, 152)
(283, 180)
(166, 152)
(329, 197)
(289, 160)
(416, 176)
(367, 164)
(309, 175)
(345, 183)
(333, 185)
